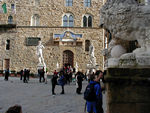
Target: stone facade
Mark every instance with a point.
(50, 23)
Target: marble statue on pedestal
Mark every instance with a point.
(39, 53)
(92, 56)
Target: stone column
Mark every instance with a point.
(128, 90)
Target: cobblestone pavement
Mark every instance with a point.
(35, 97)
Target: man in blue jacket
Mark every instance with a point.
(96, 105)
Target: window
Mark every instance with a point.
(35, 20)
(7, 44)
(87, 45)
(10, 19)
(13, 10)
(12, 6)
(65, 21)
(84, 21)
(87, 21)
(87, 3)
(69, 2)
(68, 20)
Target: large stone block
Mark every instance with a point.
(128, 90)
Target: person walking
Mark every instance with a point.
(99, 108)
(93, 94)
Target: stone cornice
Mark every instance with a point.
(59, 27)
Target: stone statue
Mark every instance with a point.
(39, 52)
(128, 21)
(57, 65)
(92, 56)
(76, 67)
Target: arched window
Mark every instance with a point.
(84, 21)
(69, 2)
(35, 20)
(65, 21)
(87, 3)
(68, 20)
(87, 21)
(10, 19)
(87, 45)
(7, 44)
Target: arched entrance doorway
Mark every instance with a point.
(68, 57)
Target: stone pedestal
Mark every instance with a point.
(128, 90)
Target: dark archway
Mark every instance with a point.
(68, 58)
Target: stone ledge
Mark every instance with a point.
(131, 72)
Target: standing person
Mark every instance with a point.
(54, 83)
(93, 94)
(21, 74)
(25, 76)
(79, 82)
(41, 74)
(99, 108)
(7, 73)
(55, 72)
(61, 81)
(28, 74)
(45, 75)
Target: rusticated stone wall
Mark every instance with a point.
(51, 13)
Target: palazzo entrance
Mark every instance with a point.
(6, 64)
(68, 57)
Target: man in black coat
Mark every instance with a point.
(79, 82)
(54, 83)
(21, 74)
(25, 76)
(7, 74)
(41, 74)
(28, 74)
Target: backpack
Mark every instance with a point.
(89, 93)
